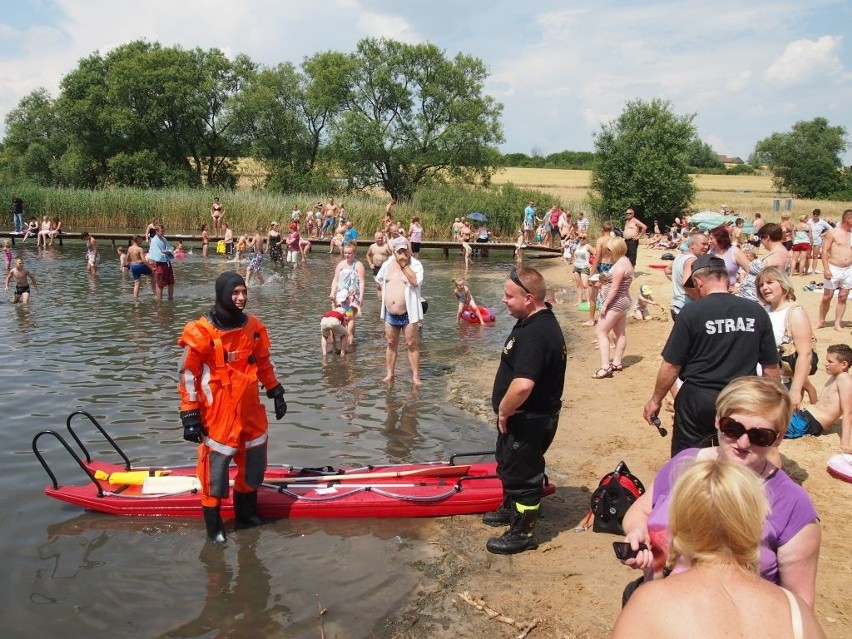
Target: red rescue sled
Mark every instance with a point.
(469, 315)
(398, 490)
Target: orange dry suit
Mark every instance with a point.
(218, 376)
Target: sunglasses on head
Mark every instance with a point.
(763, 437)
(517, 280)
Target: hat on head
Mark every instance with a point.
(342, 294)
(399, 243)
(273, 224)
(704, 261)
(645, 289)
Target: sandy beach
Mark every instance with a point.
(571, 586)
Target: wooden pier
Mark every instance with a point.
(123, 239)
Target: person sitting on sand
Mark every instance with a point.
(835, 400)
(643, 301)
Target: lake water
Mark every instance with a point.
(84, 343)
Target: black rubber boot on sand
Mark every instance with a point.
(519, 537)
(500, 517)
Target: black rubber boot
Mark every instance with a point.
(519, 537)
(500, 517)
(215, 525)
(245, 509)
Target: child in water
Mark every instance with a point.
(333, 324)
(7, 254)
(466, 301)
(294, 241)
(123, 266)
(180, 252)
(22, 279)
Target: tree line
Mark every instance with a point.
(390, 116)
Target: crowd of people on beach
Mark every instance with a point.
(734, 372)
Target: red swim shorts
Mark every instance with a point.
(802, 246)
(164, 274)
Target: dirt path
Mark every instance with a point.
(571, 586)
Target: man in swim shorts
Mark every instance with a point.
(837, 270)
(378, 252)
(22, 276)
(401, 309)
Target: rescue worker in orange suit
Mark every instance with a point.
(226, 354)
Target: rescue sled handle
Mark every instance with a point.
(71, 452)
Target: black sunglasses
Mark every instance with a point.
(763, 437)
(517, 280)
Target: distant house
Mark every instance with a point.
(725, 159)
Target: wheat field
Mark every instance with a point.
(744, 194)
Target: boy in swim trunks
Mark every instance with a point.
(138, 265)
(22, 276)
(255, 244)
(835, 401)
(93, 257)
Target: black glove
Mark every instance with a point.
(193, 429)
(277, 394)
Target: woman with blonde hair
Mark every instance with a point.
(792, 328)
(752, 414)
(716, 522)
(614, 309)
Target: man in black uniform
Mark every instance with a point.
(527, 398)
(716, 339)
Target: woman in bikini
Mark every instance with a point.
(614, 309)
(217, 211)
(205, 240)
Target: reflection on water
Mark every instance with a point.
(84, 343)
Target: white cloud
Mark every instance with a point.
(805, 61)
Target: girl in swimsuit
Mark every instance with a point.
(465, 300)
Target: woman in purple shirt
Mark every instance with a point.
(751, 418)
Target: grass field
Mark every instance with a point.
(745, 194)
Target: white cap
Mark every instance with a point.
(399, 243)
(342, 294)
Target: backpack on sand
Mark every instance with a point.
(614, 495)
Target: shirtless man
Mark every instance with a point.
(138, 265)
(633, 230)
(330, 217)
(835, 400)
(22, 287)
(378, 252)
(837, 269)
(600, 267)
(401, 308)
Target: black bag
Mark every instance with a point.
(667, 257)
(793, 357)
(615, 493)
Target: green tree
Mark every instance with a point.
(34, 138)
(806, 161)
(641, 162)
(414, 117)
(700, 155)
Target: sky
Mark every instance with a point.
(560, 69)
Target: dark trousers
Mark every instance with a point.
(632, 250)
(695, 418)
(520, 456)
